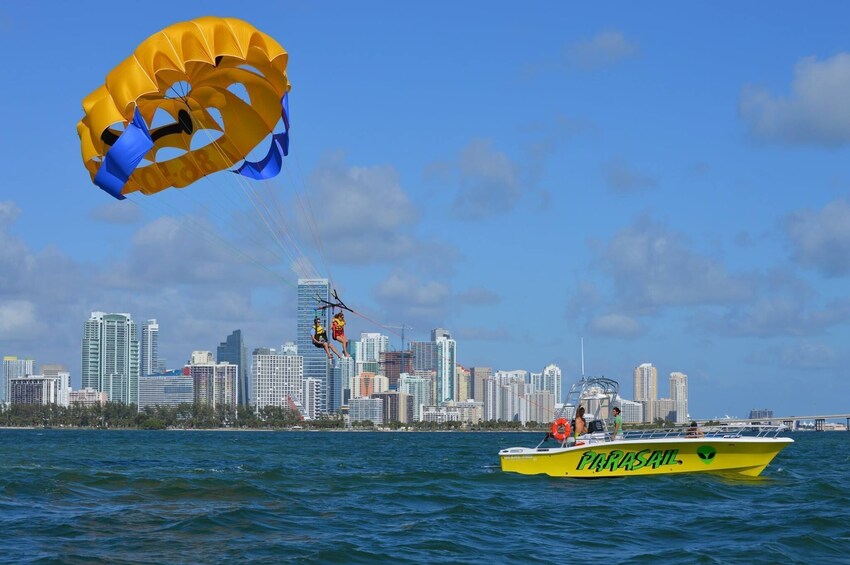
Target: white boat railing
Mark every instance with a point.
(725, 431)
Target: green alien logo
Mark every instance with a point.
(706, 454)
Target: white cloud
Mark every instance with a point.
(622, 179)
(478, 296)
(422, 303)
(652, 267)
(779, 316)
(18, 320)
(489, 182)
(615, 325)
(603, 49)
(117, 212)
(803, 355)
(816, 111)
(362, 214)
(821, 239)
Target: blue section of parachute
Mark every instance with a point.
(270, 165)
(124, 156)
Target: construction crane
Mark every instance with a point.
(402, 327)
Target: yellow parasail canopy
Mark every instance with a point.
(217, 78)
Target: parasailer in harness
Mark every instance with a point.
(320, 338)
(338, 331)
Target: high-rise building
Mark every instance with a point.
(679, 394)
(765, 413)
(632, 411)
(34, 389)
(391, 364)
(214, 383)
(149, 362)
(552, 382)
(232, 350)
(87, 397)
(315, 361)
(310, 396)
(13, 368)
(171, 388)
(446, 367)
(424, 355)
(419, 388)
(437, 333)
(59, 372)
(341, 377)
(111, 356)
(371, 347)
(366, 384)
(278, 379)
(398, 406)
(478, 376)
(646, 388)
(366, 410)
(464, 384)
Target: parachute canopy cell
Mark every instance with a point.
(207, 91)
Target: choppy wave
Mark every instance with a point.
(182, 497)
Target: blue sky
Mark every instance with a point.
(669, 181)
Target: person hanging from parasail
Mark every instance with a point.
(320, 339)
(338, 332)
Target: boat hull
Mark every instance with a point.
(742, 455)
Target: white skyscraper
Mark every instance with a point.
(110, 352)
(552, 381)
(646, 388)
(310, 396)
(59, 372)
(417, 387)
(371, 347)
(679, 394)
(446, 367)
(150, 348)
(276, 379)
(13, 368)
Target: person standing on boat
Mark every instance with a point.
(581, 424)
(618, 425)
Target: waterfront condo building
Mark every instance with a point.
(171, 388)
(232, 350)
(646, 388)
(679, 394)
(366, 410)
(13, 368)
(278, 380)
(58, 371)
(35, 389)
(478, 376)
(87, 397)
(419, 388)
(110, 356)
(149, 362)
(446, 367)
(214, 383)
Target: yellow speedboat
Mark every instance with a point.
(724, 449)
(742, 449)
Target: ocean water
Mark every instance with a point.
(79, 496)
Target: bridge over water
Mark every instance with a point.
(790, 421)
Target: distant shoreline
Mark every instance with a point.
(265, 430)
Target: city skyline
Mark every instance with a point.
(110, 356)
(668, 182)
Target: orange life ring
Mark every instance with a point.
(560, 429)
